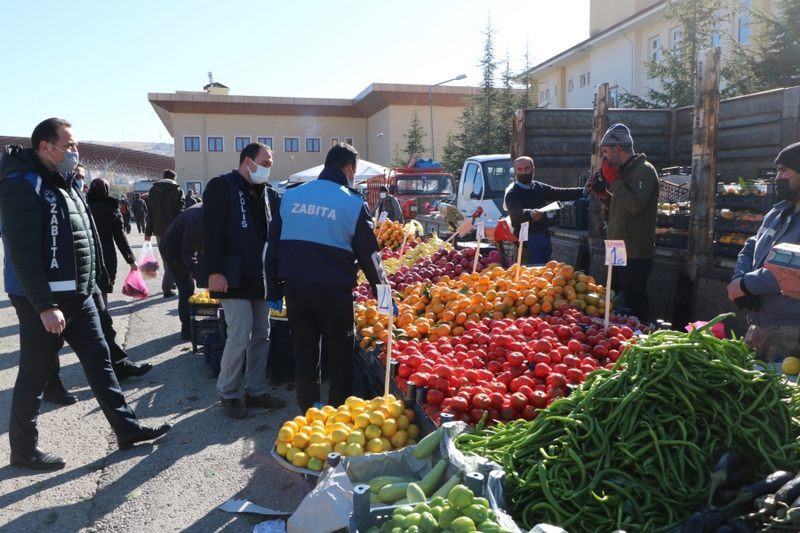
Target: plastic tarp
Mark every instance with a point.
(364, 171)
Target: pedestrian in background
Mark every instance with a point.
(139, 208)
(125, 211)
(774, 318)
(190, 199)
(632, 196)
(320, 236)
(50, 271)
(165, 202)
(388, 204)
(238, 208)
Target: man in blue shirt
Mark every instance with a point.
(322, 233)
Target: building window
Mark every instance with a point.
(583, 80)
(241, 142)
(654, 48)
(541, 96)
(191, 144)
(291, 144)
(571, 85)
(312, 144)
(266, 141)
(215, 144)
(334, 141)
(677, 35)
(547, 94)
(588, 78)
(349, 140)
(743, 23)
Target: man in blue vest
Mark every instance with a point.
(237, 210)
(51, 266)
(320, 237)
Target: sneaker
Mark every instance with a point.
(265, 400)
(233, 407)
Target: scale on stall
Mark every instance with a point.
(784, 263)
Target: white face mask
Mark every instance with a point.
(383, 195)
(260, 175)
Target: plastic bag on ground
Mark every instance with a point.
(148, 262)
(134, 286)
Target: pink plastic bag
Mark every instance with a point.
(134, 286)
(148, 262)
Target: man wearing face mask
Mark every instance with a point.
(321, 235)
(389, 204)
(524, 197)
(774, 318)
(238, 208)
(51, 267)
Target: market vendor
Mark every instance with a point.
(774, 319)
(389, 204)
(523, 200)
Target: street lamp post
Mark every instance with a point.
(430, 107)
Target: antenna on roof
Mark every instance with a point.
(210, 78)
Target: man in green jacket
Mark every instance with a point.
(632, 195)
(50, 272)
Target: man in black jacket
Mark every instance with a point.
(139, 208)
(50, 274)
(238, 209)
(165, 203)
(523, 199)
(179, 246)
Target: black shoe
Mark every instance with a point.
(37, 459)
(233, 407)
(143, 434)
(61, 397)
(168, 294)
(265, 400)
(186, 334)
(128, 369)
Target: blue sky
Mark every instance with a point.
(93, 62)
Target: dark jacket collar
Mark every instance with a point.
(333, 174)
(18, 159)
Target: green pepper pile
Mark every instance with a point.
(633, 447)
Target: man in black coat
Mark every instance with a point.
(179, 246)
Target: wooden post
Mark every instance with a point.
(599, 127)
(518, 134)
(704, 156)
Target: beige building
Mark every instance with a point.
(211, 127)
(624, 35)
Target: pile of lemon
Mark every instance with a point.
(202, 297)
(357, 427)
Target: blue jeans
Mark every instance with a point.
(38, 361)
(540, 250)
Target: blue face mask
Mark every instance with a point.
(69, 164)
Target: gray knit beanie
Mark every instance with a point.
(789, 157)
(617, 134)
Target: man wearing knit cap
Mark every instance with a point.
(632, 196)
(773, 317)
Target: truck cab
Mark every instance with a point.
(483, 183)
(417, 189)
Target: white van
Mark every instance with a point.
(483, 183)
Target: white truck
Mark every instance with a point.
(483, 183)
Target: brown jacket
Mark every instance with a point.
(634, 202)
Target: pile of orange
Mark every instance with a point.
(446, 308)
(391, 234)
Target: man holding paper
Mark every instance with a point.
(523, 200)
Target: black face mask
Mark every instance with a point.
(525, 179)
(783, 191)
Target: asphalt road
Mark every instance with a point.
(175, 484)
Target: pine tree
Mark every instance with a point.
(777, 63)
(526, 102)
(487, 101)
(415, 138)
(507, 103)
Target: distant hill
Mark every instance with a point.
(167, 149)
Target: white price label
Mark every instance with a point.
(479, 231)
(616, 254)
(384, 299)
(383, 216)
(523, 232)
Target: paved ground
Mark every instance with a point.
(173, 485)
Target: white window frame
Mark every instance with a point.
(199, 144)
(349, 140)
(221, 138)
(583, 80)
(571, 85)
(589, 78)
(271, 142)
(654, 48)
(195, 185)
(291, 151)
(744, 20)
(334, 141)
(236, 139)
(676, 36)
(319, 144)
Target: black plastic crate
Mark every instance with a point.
(672, 192)
(723, 225)
(726, 250)
(678, 221)
(672, 240)
(198, 309)
(574, 215)
(745, 201)
(212, 351)
(204, 329)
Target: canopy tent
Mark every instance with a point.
(364, 171)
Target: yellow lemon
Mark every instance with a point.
(291, 425)
(354, 449)
(413, 431)
(399, 439)
(339, 435)
(282, 448)
(403, 422)
(291, 452)
(396, 409)
(323, 450)
(300, 421)
(361, 421)
(328, 410)
(377, 418)
(285, 434)
(315, 414)
(317, 437)
(311, 450)
(315, 464)
(357, 436)
(342, 416)
(300, 440)
(354, 401)
(375, 403)
(389, 427)
(300, 459)
(355, 411)
(340, 448)
(372, 432)
(791, 366)
(387, 444)
(375, 446)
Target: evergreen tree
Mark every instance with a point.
(487, 102)
(507, 103)
(526, 102)
(777, 63)
(415, 138)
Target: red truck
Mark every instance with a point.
(417, 189)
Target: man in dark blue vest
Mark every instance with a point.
(237, 210)
(51, 266)
(321, 235)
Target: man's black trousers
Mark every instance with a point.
(38, 360)
(631, 281)
(324, 314)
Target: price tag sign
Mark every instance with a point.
(616, 254)
(383, 216)
(384, 299)
(479, 231)
(523, 232)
